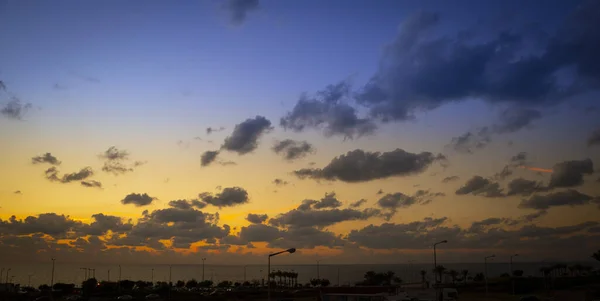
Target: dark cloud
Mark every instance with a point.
(519, 159)
(245, 136)
(17, 192)
(358, 203)
(515, 118)
(450, 179)
(138, 199)
(360, 166)
(292, 150)
(396, 201)
(228, 197)
(380, 191)
(594, 138)
(208, 157)
(320, 218)
(210, 130)
(478, 185)
(58, 226)
(257, 218)
(116, 168)
(45, 158)
(471, 141)
(328, 111)
(328, 201)
(113, 153)
(185, 204)
(425, 197)
(420, 71)
(91, 183)
(280, 182)
(570, 173)
(568, 197)
(15, 109)
(239, 9)
(524, 187)
(82, 174)
(103, 223)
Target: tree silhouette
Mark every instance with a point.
(439, 270)
(464, 274)
(191, 283)
(518, 273)
(453, 274)
(596, 255)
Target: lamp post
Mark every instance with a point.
(8, 270)
(291, 250)
(1, 272)
(512, 281)
(108, 275)
(485, 271)
(85, 270)
(262, 277)
(410, 270)
(245, 272)
(119, 273)
(318, 275)
(152, 277)
(29, 280)
(435, 258)
(203, 260)
(52, 278)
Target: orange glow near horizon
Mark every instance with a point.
(537, 169)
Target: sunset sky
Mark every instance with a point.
(353, 130)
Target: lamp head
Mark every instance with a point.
(443, 241)
(516, 255)
(292, 250)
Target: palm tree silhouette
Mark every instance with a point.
(464, 274)
(453, 274)
(439, 270)
(423, 274)
(596, 255)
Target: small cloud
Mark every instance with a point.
(358, 203)
(227, 163)
(208, 157)
(15, 109)
(137, 199)
(91, 183)
(280, 182)
(594, 138)
(84, 173)
(45, 158)
(228, 197)
(17, 192)
(113, 153)
(239, 9)
(59, 87)
(210, 130)
(257, 218)
(292, 150)
(245, 136)
(380, 191)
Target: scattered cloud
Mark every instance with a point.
(208, 157)
(245, 136)
(516, 118)
(115, 161)
(358, 203)
(328, 111)
(478, 185)
(292, 150)
(239, 9)
(471, 141)
(450, 179)
(17, 192)
(15, 109)
(113, 153)
(185, 204)
(320, 218)
(91, 183)
(361, 166)
(257, 218)
(46, 158)
(138, 199)
(228, 197)
(568, 197)
(116, 168)
(84, 173)
(280, 182)
(210, 130)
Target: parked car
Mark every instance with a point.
(530, 298)
(125, 297)
(152, 297)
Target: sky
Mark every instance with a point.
(355, 131)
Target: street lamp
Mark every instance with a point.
(245, 272)
(318, 275)
(29, 280)
(108, 275)
(203, 260)
(1, 272)
(435, 258)
(52, 279)
(410, 270)
(8, 270)
(152, 277)
(291, 250)
(485, 270)
(85, 270)
(512, 281)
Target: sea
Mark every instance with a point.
(342, 274)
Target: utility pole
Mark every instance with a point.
(29, 280)
(1, 272)
(52, 279)
(8, 270)
(94, 271)
(338, 276)
(318, 275)
(152, 279)
(245, 272)
(108, 275)
(85, 270)
(512, 280)
(485, 270)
